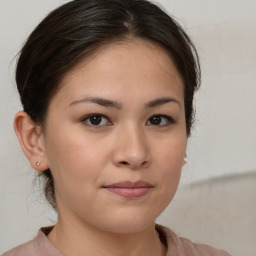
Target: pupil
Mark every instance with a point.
(95, 120)
(156, 120)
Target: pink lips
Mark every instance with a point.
(130, 190)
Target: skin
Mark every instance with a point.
(126, 145)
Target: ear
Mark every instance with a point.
(31, 140)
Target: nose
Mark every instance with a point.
(131, 149)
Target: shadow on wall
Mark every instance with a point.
(220, 212)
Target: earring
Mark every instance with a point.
(38, 163)
(185, 160)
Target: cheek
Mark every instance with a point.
(169, 163)
(76, 161)
(172, 152)
(75, 172)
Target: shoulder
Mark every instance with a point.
(27, 249)
(184, 247)
(39, 246)
(200, 249)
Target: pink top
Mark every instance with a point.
(176, 246)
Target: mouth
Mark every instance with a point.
(129, 189)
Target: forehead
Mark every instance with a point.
(114, 56)
(123, 66)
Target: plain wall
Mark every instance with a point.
(223, 141)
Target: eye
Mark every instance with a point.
(96, 120)
(160, 120)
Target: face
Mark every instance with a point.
(115, 137)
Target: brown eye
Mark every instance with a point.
(160, 120)
(96, 120)
(155, 120)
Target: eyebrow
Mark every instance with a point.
(99, 101)
(114, 104)
(161, 101)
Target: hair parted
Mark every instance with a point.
(80, 27)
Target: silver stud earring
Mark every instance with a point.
(38, 163)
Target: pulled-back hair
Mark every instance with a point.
(77, 29)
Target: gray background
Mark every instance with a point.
(223, 143)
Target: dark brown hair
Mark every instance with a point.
(76, 29)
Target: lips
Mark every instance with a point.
(129, 189)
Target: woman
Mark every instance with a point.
(107, 90)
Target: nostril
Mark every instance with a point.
(127, 163)
(144, 163)
(124, 163)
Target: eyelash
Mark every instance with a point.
(169, 119)
(86, 119)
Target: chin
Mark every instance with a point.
(127, 222)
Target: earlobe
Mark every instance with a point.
(31, 140)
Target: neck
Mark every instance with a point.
(88, 240)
